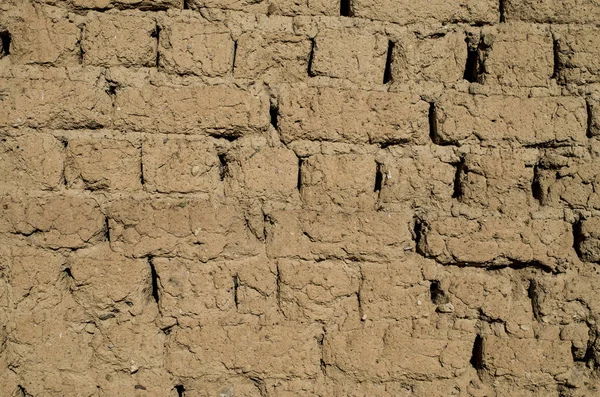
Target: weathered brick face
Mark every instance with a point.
(284, 198)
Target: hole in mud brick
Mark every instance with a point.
(477, 353)
(180, 390)
(223, 166)
(387, 74)
(501, 10)
(437, 295)
(471, 66)
(274, 115)
(536, 187)
(556, 59)
(154, 281)
(378, 179)
(577, 237)
(299, 182)
(533, 295)
(457, 191)
(185, 5)
(311, 55)
(5, 40)
(68, 273)
(236, 286)
(345, 8)
(433, 134)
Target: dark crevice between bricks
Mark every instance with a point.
(577, 238)
(80, 45)
(156, 34)
(433, 127)
(534, 296)
(278, 289)
(185, 5)
(501, 10)
(590, 122)
(345, 8)
(139, 387)
(417, 234)
(536, 187)
(387, 73)
(154, 281)
(223, 166)
(106, 229)
(311, 55)
(378, 179)
(180, 390)
(320, 342)
(471, 66)
(299, 181)
(274, 115)
(556, 59)
(477, 354)
(5, 40)
(437, 294)
(460, 168)
(236, 286)
(234, 58)
(142, 178)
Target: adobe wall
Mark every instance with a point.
(299, 198)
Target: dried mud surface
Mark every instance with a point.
(280, 198)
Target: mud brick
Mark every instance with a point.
(268, 173)
(325, 292)
(103, 164)
(54, 222)
(527, 121)
(588, 240)
(217, 110)
(216, 292)
(415, 176)
(512, 47)
(492, 240)
(578, 54)
(350, 55)
(497, 179)
(58, 101)
(531, 360)
(352, 116)
(439, 56)
(388, 352)
(368, 235)
(119, 39)
(41, 35)
(552, 11)
(193, 45)
(269, 351)
(339, 181)
(146, 5)
(274, 55)
(406, 12)
(190, 228)
(180, 165)
(33, 161)
(109, 283)
(395, 291)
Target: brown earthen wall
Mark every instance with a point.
(299, 198)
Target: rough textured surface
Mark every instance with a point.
(284, 198)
